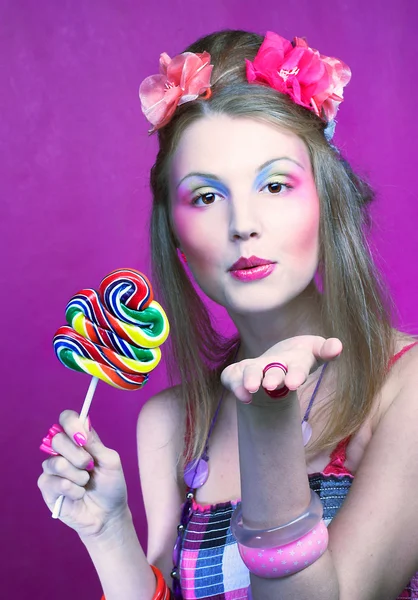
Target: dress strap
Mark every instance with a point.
(339, 454)
(399, 354)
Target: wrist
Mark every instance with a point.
(261, 403)
(113, 533)
(264, 424)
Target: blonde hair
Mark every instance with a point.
(354, 300)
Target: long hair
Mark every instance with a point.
(355, 303)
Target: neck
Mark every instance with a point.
(260, 331)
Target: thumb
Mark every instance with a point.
(330, 349)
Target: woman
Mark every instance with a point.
(301, 415)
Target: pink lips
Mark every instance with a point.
(252, 268)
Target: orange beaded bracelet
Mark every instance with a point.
(162, 591)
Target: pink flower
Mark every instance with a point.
(181, 79)
(310, 79)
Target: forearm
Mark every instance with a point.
(120, 562)
(275, 490)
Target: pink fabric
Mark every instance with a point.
(336, 465)
(188, 574)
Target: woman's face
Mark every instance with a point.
(242, 189)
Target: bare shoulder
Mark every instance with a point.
(409, 359)
(160, 437)
(377, 523)
(162, 419)
(403, 372)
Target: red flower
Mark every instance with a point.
(181, 79)
(310, 79)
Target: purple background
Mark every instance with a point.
(75, 157)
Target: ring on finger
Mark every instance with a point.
(275, 364)
(46, 441)
(280, 393)
(283, 390)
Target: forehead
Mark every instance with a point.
(224, 145)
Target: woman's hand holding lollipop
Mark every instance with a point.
(114, 335)
(87, 473)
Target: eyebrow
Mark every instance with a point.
(261, 168)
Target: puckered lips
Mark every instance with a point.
(252, 268)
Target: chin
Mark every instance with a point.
(250, 305)
(264, 300)
(253, 298)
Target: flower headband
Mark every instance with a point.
(181, 79)
(293, 68)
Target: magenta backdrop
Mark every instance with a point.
(75, 161)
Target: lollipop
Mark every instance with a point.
(113, 334)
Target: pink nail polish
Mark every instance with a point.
(48, 450)
(55, 429)
(79, 439)
(46, 441)
(90, 466)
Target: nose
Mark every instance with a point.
(243, 224)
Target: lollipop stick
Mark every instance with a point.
(88, 399)
(83, 416)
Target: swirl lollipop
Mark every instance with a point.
(113, 334)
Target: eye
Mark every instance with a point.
(276, 187)
(204, 199)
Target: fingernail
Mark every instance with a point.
(46, 441)
(79, 439)
(90, 466)
(48, 450)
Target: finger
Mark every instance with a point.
(61, 467)
(330, 349)
(73, 426)
(242, 394)
(94, 450)
(296, 376)
(274, 378)
(46, 447)
(232, 379)
(252, 377)
(65, 446)
(93, 447)
(103, 456)
(52, 487)
(46, 441)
